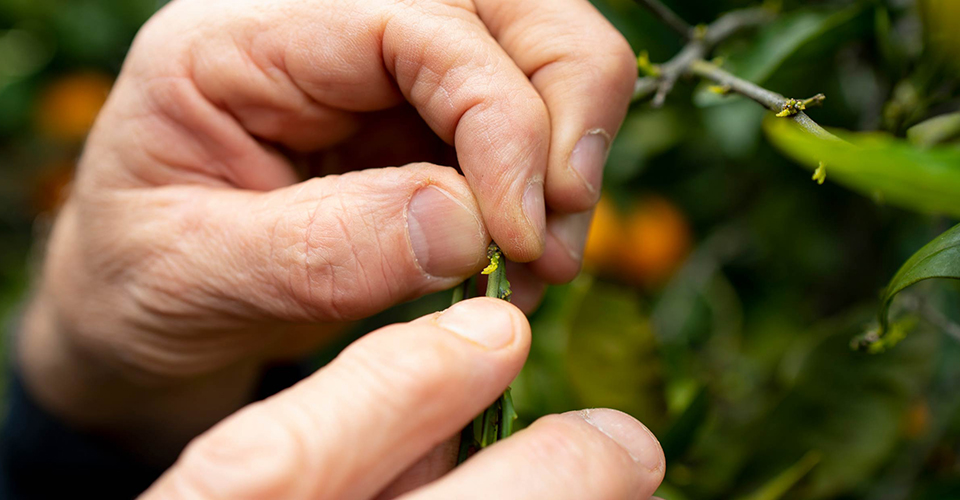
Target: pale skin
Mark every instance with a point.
(192, 251)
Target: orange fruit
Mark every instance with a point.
(68, 107)
(603, 240)
(655, 242)
(916, 421)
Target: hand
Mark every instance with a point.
(189, 256)
(377, 422)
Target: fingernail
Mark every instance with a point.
(481, 321)
(571, 231)
(535, 208)
(447, 237)
(633, 436)
(589, 156)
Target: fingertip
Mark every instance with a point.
(521, 229)
(446, 233)
(634, 437)
(575, 180)
(528, 288)
(489, 322)
(535, 211)
(563, 258)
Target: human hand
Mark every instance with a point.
(189, 256)
(377, 423)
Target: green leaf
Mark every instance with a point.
(846, 405)
(783, 482)
(784, 37)
(878, 165)
(938, 259)
(611, 357)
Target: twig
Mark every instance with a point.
(690, 61)
(769, 99)
(668, 17)
(932, 315)
(701, 43)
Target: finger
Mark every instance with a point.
(265, 69)
(350, 429)
(597, 454)
(584, 70)
(331, 249)
(566, 239)
(432, 466)
(473, 95)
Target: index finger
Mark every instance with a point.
(472, 94)
(585, 71)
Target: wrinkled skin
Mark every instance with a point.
(233, 207)
(376, 423)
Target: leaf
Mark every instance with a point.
(878, 165)
(783, 38)
(676, 441)
(612, 357)
(938, 259)
(644, 135)
(783, 482)
(776, 43)
(846, 405)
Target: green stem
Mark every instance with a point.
(460, 292)
(496, 422)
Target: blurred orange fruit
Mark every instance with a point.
(916, 421)
(656, 240)
(603, 240)
(644, 247)
(68, 107)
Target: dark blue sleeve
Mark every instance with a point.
(42, 458)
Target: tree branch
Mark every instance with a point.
(700, 45)
(668, 17)
(690, 61)
(769, 99)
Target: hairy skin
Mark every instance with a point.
(193, 252)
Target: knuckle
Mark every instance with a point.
(623, 63)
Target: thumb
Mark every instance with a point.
(350, 429)
(331, 249)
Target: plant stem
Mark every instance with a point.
(460, 292)
(690, 61)
(767, 98)
(698, 47)
(496, 422)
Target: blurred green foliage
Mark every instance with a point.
(740, 361)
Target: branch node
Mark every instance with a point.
(700, 31)
(646, 67)
(791, 108)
